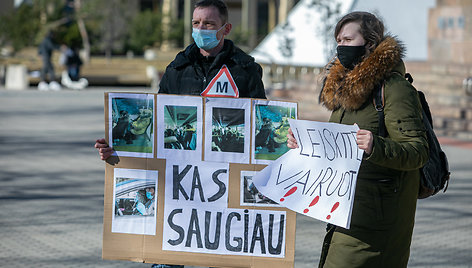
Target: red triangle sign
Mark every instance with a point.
(222, 85)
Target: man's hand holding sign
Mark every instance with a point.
(318, 178)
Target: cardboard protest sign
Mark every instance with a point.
(172, 208)
(318, 179)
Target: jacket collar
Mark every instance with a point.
(350, 89)
(192, 54)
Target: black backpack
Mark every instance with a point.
(435, 173)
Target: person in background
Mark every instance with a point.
(70, 77)
(45, 50)
(193, 70)
(70, 59)
(387, 186)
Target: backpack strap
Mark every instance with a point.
(424, 103)
(379, 104)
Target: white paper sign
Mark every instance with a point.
(196, 183)
(318, 179)
(134, 201)
(197, 217)
(225, 231)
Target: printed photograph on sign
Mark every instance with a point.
(249, 195)
(179, 127)
(134, 201)
(270, 129)
(131, 119)
(227, 128)
(180, 130)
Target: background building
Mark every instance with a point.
(252, 19)
(450, 31)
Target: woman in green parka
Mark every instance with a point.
(388, 180)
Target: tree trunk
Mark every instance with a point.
(166, 25)
(83, 31)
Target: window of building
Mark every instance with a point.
(450, 23)
(461, 22)
(441, 23)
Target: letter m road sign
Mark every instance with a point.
(222, 85)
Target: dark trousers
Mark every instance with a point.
(48, 69)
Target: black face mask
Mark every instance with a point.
(349, 56)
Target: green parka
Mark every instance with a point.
(388, 180)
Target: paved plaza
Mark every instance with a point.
(52, 182)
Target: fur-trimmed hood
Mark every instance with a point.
(352, 88)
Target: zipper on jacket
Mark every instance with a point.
(204, 82)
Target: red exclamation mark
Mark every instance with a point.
(291, 191)
(335, 206)
(313, 202)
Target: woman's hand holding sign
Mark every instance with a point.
(291, 141)
(365, 140)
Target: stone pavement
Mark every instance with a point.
(51, 190)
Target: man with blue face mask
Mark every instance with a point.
(198, 69)
(213, 66)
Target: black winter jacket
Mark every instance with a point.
(46, 47)
(185, 75)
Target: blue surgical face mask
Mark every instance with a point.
(149, 195)
(206, 39)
